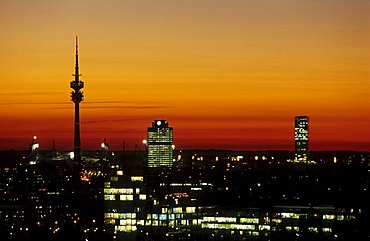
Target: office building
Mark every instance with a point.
(160, 146)
(125, 202)
(301, 139)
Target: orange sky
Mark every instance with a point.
(224, 74)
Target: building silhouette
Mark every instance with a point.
(160, 144)
(301, 138)
(77, 97)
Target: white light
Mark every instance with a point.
(103, 145)
(34, 137)
(159, 123)
(144, 142)
(35, 146)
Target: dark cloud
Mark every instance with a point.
(111, 120)
(34, 103)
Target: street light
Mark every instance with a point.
(145, 142)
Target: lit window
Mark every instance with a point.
(126, 197)
(190, 209)
(109, 197)
(137, 178)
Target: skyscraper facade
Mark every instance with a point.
(301, 138)
(160, 146)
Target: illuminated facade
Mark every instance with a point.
(160, 146)
(125, 202)
(301, 138)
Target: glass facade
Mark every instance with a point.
(301, 138)
(160, 148)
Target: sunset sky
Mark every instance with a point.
(224, 74)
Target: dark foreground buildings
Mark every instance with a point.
(224, 195)
(202, 195)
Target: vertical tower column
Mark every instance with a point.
(160, 146)
(301, 138)
(77, 97)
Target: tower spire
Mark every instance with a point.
(77, 75)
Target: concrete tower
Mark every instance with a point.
(77, 97)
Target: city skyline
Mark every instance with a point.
(225, 75)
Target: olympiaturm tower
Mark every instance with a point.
(77, 97)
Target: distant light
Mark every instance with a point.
(145, 142)
(34, 137)
(35, 146)
(103, 145)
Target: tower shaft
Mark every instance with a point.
(77, 137)
(77, 97)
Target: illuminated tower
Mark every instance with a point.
(160, 147)
(301, 138)
(77, 97)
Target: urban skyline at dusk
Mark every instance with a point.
(226, 75)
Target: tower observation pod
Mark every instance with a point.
(77, 97)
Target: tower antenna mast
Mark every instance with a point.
(77, 97)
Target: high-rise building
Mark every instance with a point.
(160, 146)
(301, 138)
(125, 202)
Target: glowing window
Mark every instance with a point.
(126, 197)
(109, 197)
(137, 178)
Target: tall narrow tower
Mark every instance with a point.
(301, 138)
(160, 147)
(77, 97)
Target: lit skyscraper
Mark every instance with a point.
(301, 138)
(160, 147)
